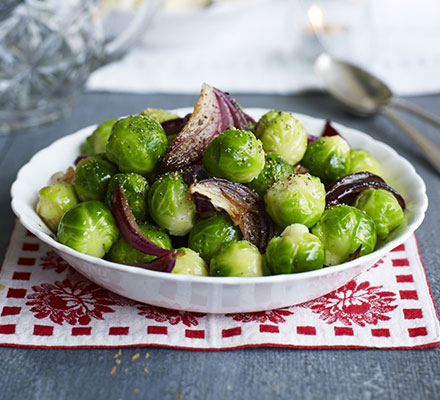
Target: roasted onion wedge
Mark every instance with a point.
(129, 228)
(214, 112)
(329, 130)
(162, 264)
(174, 126)
(243, 205)
(194, 173)
(356, 183)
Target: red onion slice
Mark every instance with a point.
(194, 173)
(174, 126)
(250, 121)
(356, 183)
(202, 127)
(129, 228)
(243, 205)
(311, 138)
(239, 119)
(354, 255)
(162, 264)
(214, 112)
(79, 158)
(227, 119)
(329, 130)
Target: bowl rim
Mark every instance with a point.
(412, 175)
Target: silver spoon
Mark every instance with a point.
(363, 94)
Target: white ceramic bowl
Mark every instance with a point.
(209, 294)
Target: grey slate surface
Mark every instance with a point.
(240, 374)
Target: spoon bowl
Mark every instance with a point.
(361, 92)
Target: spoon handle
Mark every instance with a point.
(416, 111)
(431, 150)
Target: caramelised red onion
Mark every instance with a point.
(239, 119)
(311, 138)
(214, 112)
(129, 228)
(162, 264)
(354, 255)
(250, 120)
(227, 120)
(243, 205)
(174, 126)
(355, 183)
(194, 173)
(79, 158)
(329, 130)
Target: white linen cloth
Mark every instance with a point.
(252, 47)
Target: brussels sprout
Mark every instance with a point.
(136, 144)
(89, 228)
(343, 229)
(97, 141)
(159, 115)
(190, 263)
(170, 204)
(328, 158)
(283, 135)
(383, 207)
(362, 161)
(122, 252)
(54, 201)
(295, 199)
(92, 177)
(296, 250)
(274, 169)
(87, 146)
(235, 155)
(209, 234)
(240, 258)
(135, 189)
(101, 134)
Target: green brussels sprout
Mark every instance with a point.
(240, 258)
(362, 161)
(97, 141)
(89, 228)
(136, 144)
(296, 250)
(101, 134)
(235, 155)
(170, 204)
(54, 201)
(92, 176)
(296, 199)
(383, 208)
(274, 169)
(86, 147)
(328, 158)
(283, 135)
(159, 115)
(209, 234)
(135, 188)
(190, 263)
(343, 229)
(122, 252)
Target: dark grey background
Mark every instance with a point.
(240, 374)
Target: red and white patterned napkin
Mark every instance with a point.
(46, 303)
